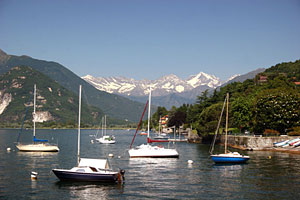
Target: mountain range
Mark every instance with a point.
(168, 90)
(113, 105)
(54, 102)
(165, 85)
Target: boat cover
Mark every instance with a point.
(39, 140)
(97, 163)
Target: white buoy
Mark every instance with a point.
(8, 149)
(119, 156)
(111, 155)
(34, 175)
(190, 162)
(92, 141)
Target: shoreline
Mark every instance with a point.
(274, 149)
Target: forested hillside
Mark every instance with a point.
(61, 105)
(269, 103)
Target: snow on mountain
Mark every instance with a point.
(165, 85)
(203, 79)
(232, 77)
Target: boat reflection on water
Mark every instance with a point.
(36, 154)
(228, 169)
(36, 160)
(89, 190)
(153, 169)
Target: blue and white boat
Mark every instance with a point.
(279, 144)
(226, 157)
(96, 170)
(230, 157)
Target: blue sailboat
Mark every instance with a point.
(226, 157)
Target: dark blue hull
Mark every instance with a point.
(218, 159)
(78, 176)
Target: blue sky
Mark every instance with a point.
(146, 39)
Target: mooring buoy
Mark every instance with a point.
(34, 175)
(111, 155)
(190, 162)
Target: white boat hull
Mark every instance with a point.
(37, 147)
(106, 140)
(148, 151)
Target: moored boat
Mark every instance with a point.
(147, 150)
(88, 169)
(232, 157)
(38, 145)
(226, 157)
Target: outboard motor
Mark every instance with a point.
(121, 175)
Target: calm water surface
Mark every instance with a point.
(261, 178)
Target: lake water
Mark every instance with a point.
(264, 177)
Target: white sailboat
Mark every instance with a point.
(105, 139)
(149, 151)
(38, 145)
(87, 169)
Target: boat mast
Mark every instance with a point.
(148, 134)
(104, 124)
(226, 128)
(102, 121)
(159, 125)
(34, 110)
(78, 137)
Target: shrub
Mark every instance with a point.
(295, 131)
(270, 132)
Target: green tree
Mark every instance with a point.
(242, 114)
(277, 109)
(208, 119)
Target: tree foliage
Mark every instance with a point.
(254, 105)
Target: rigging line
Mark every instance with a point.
(139, 125)
(21, 129)
(98, 129)
(217, 130)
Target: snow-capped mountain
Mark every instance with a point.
(163, 86)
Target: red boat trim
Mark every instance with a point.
(150, 141)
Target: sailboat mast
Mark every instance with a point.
(102, 120)
(226, 128)
(149, 114)
(104, 124)
(34, 109)
(78, 137)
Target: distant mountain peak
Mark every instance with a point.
(2, 53)
(203, 79)
(3, 57)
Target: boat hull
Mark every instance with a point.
(37, 148)
(67, 175)
(154, 156)
(229, 159)
(147, 151)
(105, 141)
